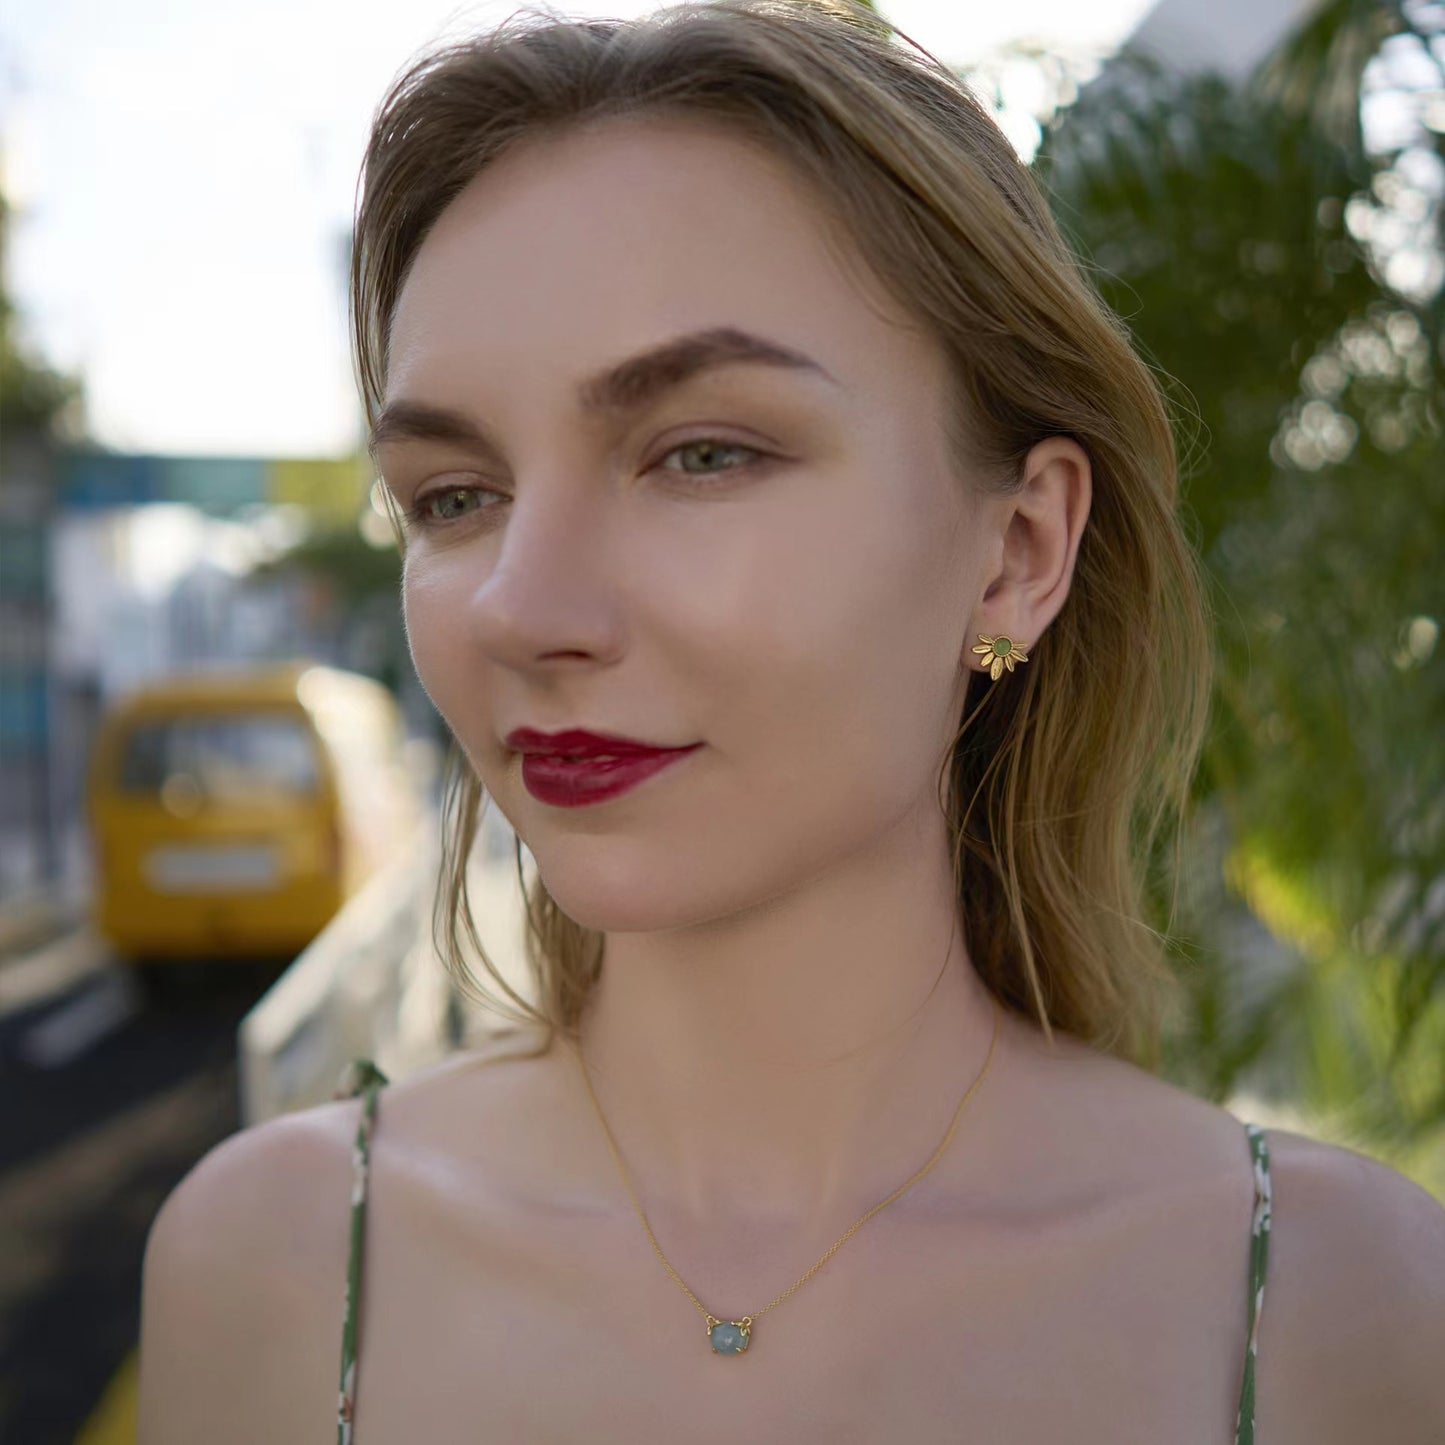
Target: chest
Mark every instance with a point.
(1123, 1326)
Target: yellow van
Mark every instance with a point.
(232, 813)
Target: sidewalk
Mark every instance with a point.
(46, 946)
(31, 920)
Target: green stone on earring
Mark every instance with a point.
(1000, 654)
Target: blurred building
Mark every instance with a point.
(27, 843)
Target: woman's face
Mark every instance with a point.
(772, 559)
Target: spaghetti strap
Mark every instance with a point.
(362, 1077)
(1258, 1261)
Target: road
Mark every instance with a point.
(108, 1096)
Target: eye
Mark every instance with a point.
(713, 453)
(445, 505)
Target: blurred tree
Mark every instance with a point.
(361, 581)
(33, 397)
(1279, 261)
(355, 569)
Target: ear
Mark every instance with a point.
(1032, 561)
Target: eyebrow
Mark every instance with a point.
(627, 386)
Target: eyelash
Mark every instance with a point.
(419, 516)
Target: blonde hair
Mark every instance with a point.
(1059, 780)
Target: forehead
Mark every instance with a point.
(583, 247)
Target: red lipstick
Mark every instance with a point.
(573, 768)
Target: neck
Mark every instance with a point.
(795, 1062)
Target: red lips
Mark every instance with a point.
(563, 784)
(578, 743)
(573, 768)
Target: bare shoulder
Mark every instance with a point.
(496, 1123)
(244, 1282)
(243, 1286)
(1352, 1332)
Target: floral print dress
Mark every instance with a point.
(363, 1078)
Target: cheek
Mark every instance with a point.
(853, 658)
(876, 596)
(432, 613)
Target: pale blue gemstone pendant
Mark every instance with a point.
(729, 1337)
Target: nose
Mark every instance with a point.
(549, 591)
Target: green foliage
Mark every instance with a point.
(1261, 254)
(361, 583)
(33, 397)
(353, 569)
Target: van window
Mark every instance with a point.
(226, 755)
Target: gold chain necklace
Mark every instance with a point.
(731, 1337)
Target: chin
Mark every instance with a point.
(615, 895)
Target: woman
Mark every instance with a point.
(749, 426)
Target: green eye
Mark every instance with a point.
(444, 497)
(710, 450)
(437, 509)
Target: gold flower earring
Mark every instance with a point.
(1001, 652)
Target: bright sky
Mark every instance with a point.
(184, 170)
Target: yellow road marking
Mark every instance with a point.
(113, 1420)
